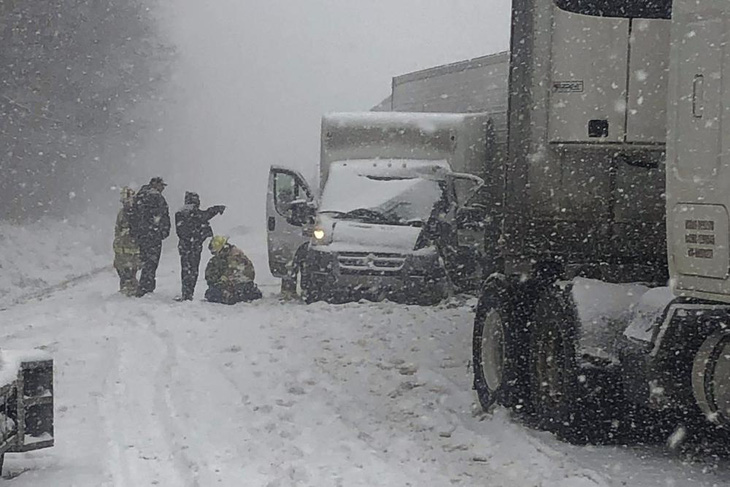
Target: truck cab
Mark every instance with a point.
(393, 219)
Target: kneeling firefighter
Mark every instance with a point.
(230, 274)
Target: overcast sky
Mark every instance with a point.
(255, 76)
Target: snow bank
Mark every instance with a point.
(48, 253)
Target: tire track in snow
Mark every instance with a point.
(164, 402)
(200, 433)
(164, 407)
(132, 416)
(118, 466)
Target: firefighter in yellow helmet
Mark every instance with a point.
(126, 250)
(230, 274)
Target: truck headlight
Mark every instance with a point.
(318, 234)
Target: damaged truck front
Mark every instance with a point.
(399, 206)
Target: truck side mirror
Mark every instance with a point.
(301, 212)
(471, 217)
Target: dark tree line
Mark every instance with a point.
(77, 78)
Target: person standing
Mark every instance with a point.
(230, 274)
(150, 226)
(126, 250)
(192, 226)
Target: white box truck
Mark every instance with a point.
(390, 220)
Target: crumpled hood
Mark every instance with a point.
(354, 235)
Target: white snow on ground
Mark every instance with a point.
(154, 392)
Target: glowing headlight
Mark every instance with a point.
(318, 234)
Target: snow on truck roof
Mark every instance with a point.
(395, 168)
(389, 120)
(475, 63)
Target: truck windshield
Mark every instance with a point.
(380, 199)
(644, 9)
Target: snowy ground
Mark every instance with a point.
(47, 255)
(155, 392)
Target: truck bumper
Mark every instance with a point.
(345, 276)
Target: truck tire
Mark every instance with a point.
(557, 386)
(497, 347)
(310, 290)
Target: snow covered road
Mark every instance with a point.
(155, 392)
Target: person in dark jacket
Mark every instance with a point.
(193, 227)
(230, 274)
(150, 225)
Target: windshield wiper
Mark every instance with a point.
(368, 215)
(335, 213)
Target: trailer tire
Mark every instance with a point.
(497, 348)
(555, 385)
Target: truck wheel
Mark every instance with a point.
(558, 401)
(497, 339)
(710, 382)
(309, 289)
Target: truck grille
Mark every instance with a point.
(374, 263)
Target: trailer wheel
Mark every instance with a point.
(555, 384)
(496, 344)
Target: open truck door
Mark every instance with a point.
(289, 212)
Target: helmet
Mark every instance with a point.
(217, 243)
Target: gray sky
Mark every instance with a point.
(255, 76)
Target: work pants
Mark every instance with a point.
(149, 253)
(126, 264)
(245, 291)
(189, 268)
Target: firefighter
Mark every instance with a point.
(150, 226)
(126, 250)
(230, 274)
(193, 227)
